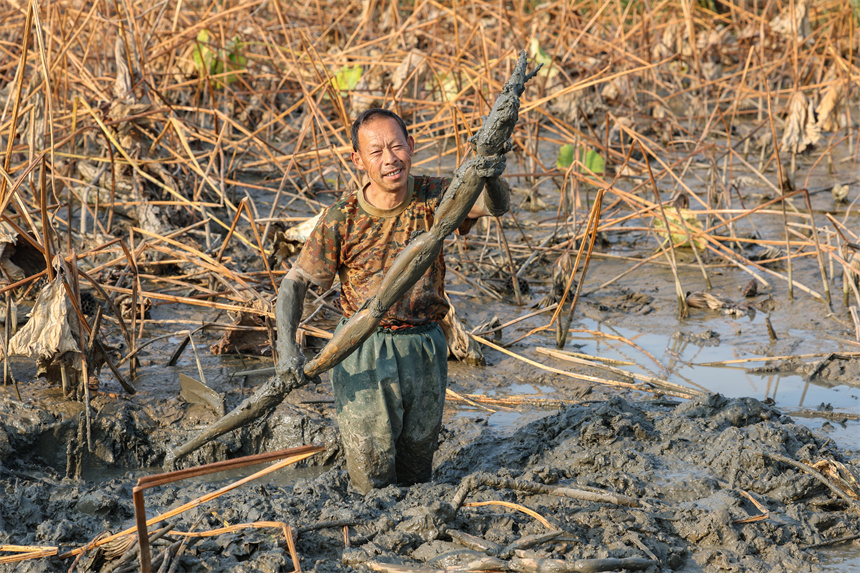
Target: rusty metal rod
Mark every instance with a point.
(169, 477)
(146, 482)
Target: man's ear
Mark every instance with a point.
(356, 159)
(411, 142)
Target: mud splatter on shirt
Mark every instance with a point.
(359, 242)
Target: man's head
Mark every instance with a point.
(375, 113)
(383, 150)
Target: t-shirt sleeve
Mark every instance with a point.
(319, 260)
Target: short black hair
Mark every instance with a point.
(370, 114)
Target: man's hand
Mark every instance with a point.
(291, 366)
(490, 167)
(495, 198)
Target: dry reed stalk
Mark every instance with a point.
(625, 341)
(694, 248)
(591, 229)
(634, 375)
(7, 332)
(153, 481)
(771, 358)
(530, 512)
(25, 553)
(781, 184)
(818, 252)
(679, 290)
(451, 395)
(511, 322)
(515, 282)
(594, 379)
(19, 82)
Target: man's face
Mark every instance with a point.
(385, 154)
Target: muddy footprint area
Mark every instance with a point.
(612, 484)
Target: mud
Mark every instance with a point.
(829, 370)
(692, 464)
(704, 338)
(623, 303)
(50, 434)
(694, 467)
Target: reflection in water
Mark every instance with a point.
(841, 558)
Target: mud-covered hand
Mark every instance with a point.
(489, 166)
(495, 200)
(291, 367)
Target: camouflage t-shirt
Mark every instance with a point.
(359, 242)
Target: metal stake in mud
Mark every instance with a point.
(490, 144)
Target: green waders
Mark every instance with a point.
(389, 396)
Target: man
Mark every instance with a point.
(390, 392)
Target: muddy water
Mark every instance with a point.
(694, 463)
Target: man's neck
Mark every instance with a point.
(382, 199)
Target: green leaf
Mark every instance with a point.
(202, 54)
(538, 53)
(347, 78)
(215, 62)
(565, 157)
(593, 162)
(541, 57)
(235, 59)
(677, 230)
(445, 84)
(234, 51)
(591, 159)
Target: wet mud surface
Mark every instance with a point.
(709, 493)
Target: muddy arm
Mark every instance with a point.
(288, 315)
(289, 370)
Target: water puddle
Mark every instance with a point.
(843, 558)
(704, 340)
(502, 422)
(685, 360)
